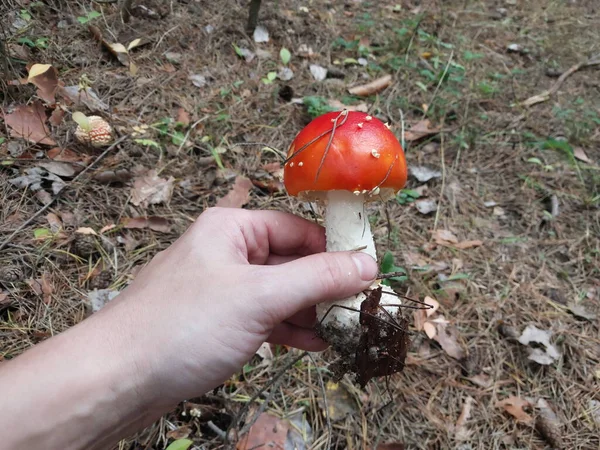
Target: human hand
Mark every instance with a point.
(200, 309)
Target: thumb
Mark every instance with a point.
(322, 277)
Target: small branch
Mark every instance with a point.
(544, 96)
(59, 193)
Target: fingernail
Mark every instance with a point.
(366, 266)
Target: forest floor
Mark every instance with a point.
(499, 223)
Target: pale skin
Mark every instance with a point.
(191, 318)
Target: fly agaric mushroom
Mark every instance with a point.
(343, 160)
(92, 130)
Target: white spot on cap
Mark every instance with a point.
(300, 164)
(360, 125)
(368, 118)
(375, 153)
(356, 193)
(387, 125)
(375, 191)
(292, 164)
(344, 112)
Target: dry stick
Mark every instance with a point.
(443, 161)
(245, 408)
(556, 86)
(324, 392)
(59, 193)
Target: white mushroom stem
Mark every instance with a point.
(347, 228)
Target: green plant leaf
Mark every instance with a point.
(388, 266)
(285, 55)
(238, 51)
(180, 444)
(41, 233)
(458, 276)
(178, 138)
(148, 143)
(535, 161)
(271, 76)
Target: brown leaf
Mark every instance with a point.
(461, 432)
(468, 244)
(371, 88)
(29, 122)
(361, 107)
(82, 97)
(155, 223)
(238, 196)
(47, 288)
(183, 117)
(420, 130)
(150, 189)
(514, 406)
(581, 156)
(4, 300)
(391, 446)
(273, 168)
(43, 196)
(340, 402)
(445, 237)
(447, 336)
(35, 285)
(267, 432)
(56, 117)
(45, 78)
(62, 169)
(63, 154)
(420, 318)
(481, 380)
(54, 222)
(179, 433)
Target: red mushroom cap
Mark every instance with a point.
(363, 155)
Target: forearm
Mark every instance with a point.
(81, 389)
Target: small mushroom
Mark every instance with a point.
(92, 130)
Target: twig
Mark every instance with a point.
(245, 408)
(216, 429)
(556, 86)
(60, 192)
(324, 392)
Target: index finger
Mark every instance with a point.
(258, 234)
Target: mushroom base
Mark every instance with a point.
(375, 344)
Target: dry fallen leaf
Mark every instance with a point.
(180, 433)
(445, 237)
(57, 117)
(29, 122)
(447, 336)
(581, 156)
(340, 402)
(4, 300)
(45, 78)
(54, 222)
(546, 355)
(581, 312)
(150, 189)
(420, 130)
(361, 107)
(267, 432)
(423, 173)
(119, 51)
(514, 406)
(238, 196)
(47, 288)
(183, 117)
(155, 223)
(461, 432)
(64, 155)
(62, 169)
(86, 97)
(468, 244)
(481, 380)
(371, 88)
(86, 230)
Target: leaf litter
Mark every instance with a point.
(150, 189)
(544, 352)
(29, 122)
(267, 432)
(154, 223)
(239, 194)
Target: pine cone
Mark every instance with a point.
(84, 245)
(102, 280)
(11, 274)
